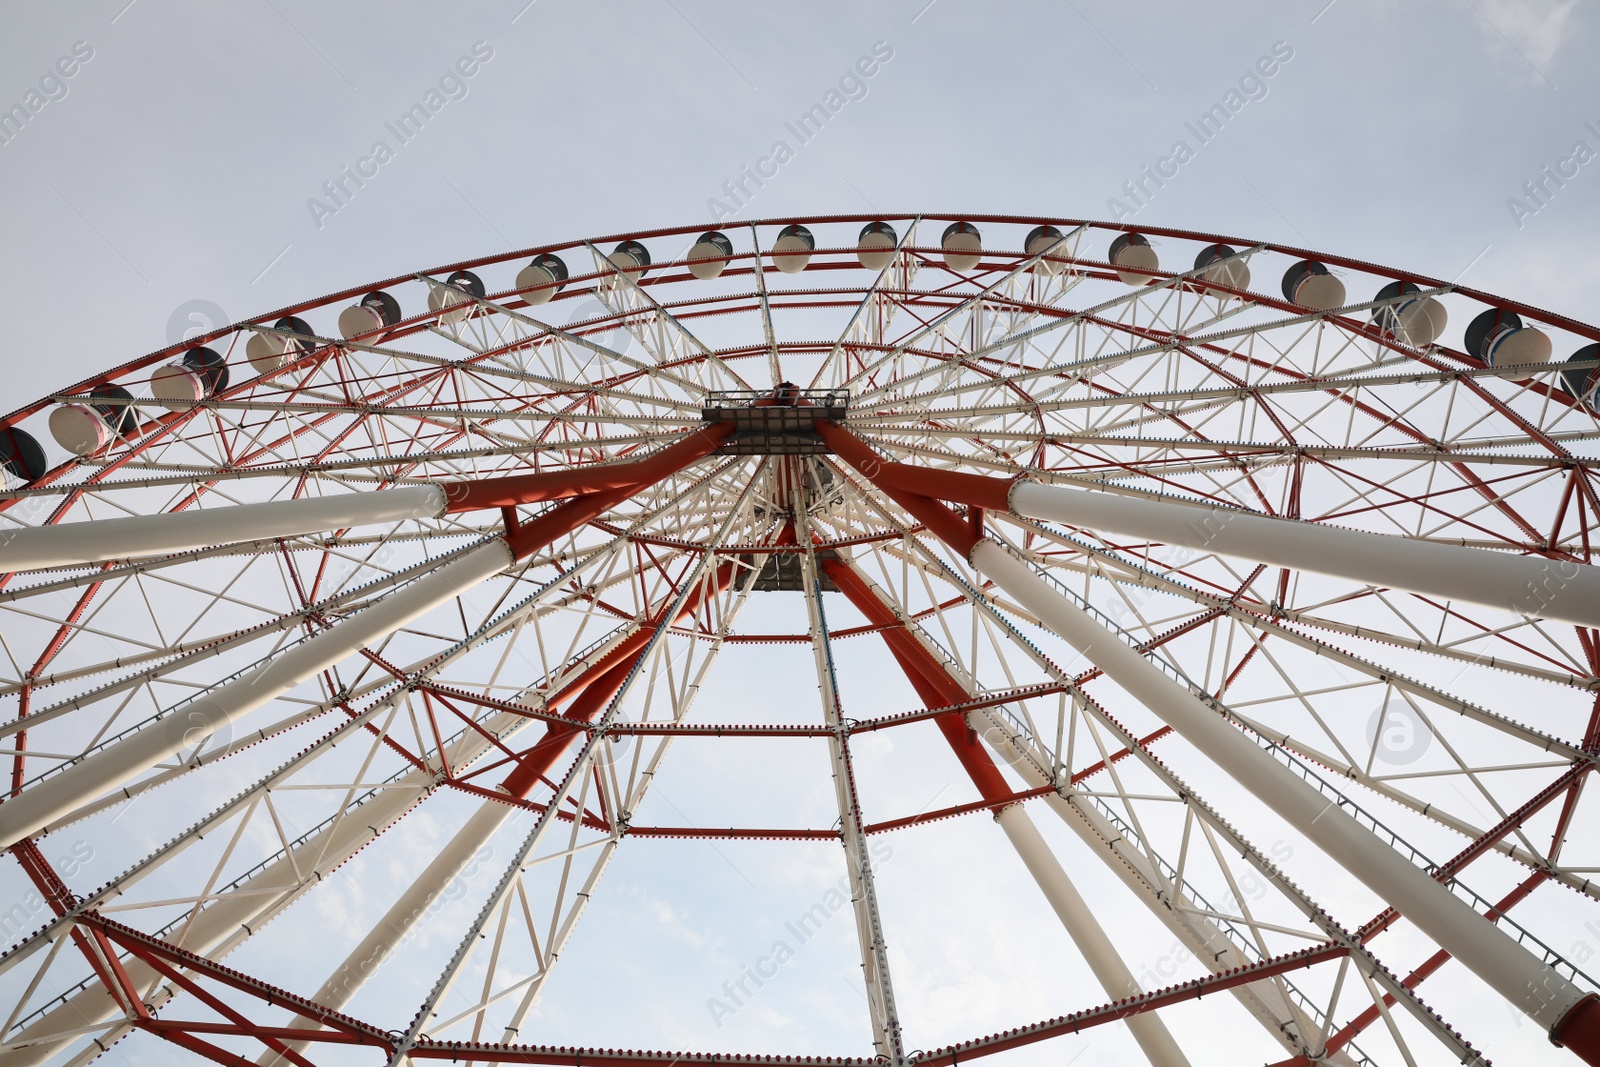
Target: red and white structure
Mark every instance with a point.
(1261, 619)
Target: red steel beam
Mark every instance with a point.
(901, 484)
(953, 1055)
(781, 834)
(130, 938)
(469, 1052)
(348, 1030)
(511, 490)
(1486, 841)
(90, 942)
(929, 677)
(216, 1004)
(732, 833)
(655, 729)
(953, 811)
(949, 1056)
(562, 519)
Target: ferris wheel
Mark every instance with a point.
(1168, 543)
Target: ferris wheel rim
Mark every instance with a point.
(751, 351)
(1592, 332)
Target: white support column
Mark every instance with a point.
(577, 772)
(1203, 937)
(1154, 1039)
(98, 540)
(236, 915)
(1543, 588)
(1480, 946)
(23, 815)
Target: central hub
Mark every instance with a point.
(776, 423)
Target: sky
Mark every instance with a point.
(193, 169)
(175, 174)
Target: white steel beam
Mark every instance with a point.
(858, 863)
(1482, 947)
(67, 543)
(225, 923)
(1561, 590)
(1167, 900)
(25, 814)
(577, 772)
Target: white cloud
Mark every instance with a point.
(1529, 32)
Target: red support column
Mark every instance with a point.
(904, 482)
(933, 683)
(564, 518)
(511, 490)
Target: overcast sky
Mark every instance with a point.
(180, 162)
(181, 172)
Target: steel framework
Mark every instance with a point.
(1284, 608)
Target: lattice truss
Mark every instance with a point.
(482, 761)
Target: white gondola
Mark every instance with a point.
(541, 279)
(1132, 257)
(791, 252)
(454, 301)
(1310, 285)
(631, 258)
(1221, 265)
(1417, 322)
(709, 256)
(84, 427)
(875, 248)
(1500, 339)
(180, 386)
(80, 429)
(962, 245)
(267, 352)
(1528, 345)
(375, 311)
(1046, 239)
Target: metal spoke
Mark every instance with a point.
(1048, 405)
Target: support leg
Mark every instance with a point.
(937, 687)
